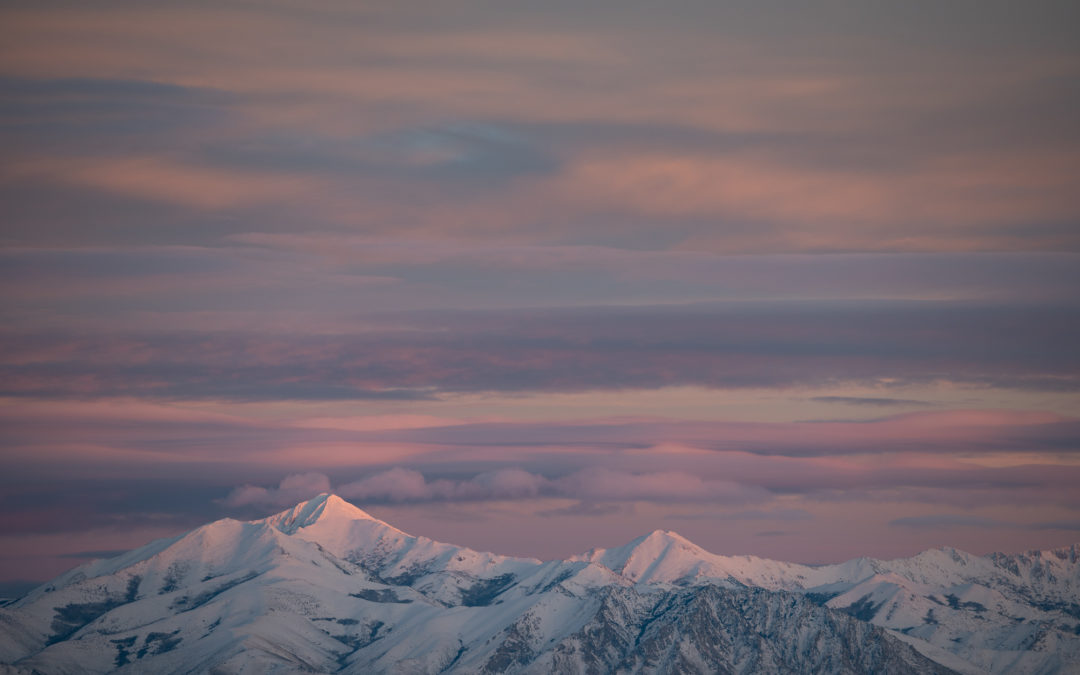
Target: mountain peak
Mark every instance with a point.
(659, 552)
(663, 542)
(667, 536)
(322, 508)
(660, 542)
(404, 603)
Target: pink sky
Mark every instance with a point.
(798, 281)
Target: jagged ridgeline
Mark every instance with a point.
(326, 588)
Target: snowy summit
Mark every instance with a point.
(325, 587)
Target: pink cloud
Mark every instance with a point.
(396, 484)
(407, 485)
(292, 489)
(400, 484)
(156, 178)
(603, 484)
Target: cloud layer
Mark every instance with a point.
(518, 273)
(736, 346)
(588, 485)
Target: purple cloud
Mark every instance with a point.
(952, 520)
(565, 351)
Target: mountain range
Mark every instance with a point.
(325, 587)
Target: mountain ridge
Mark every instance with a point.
(326, 587)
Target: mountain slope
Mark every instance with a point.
(998, 613)
(325, 587)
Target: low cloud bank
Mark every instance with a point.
(402, 485)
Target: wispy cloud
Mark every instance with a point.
(872, 401)
(749, 514)
(566, 350)
(473, 122)
(91, 555)
(947, 521)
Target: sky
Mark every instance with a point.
(793, 279)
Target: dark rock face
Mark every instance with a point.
(483, 592)
(71, 617)
(714, 630)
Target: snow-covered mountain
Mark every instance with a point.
(998, 613)
(324, 587)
